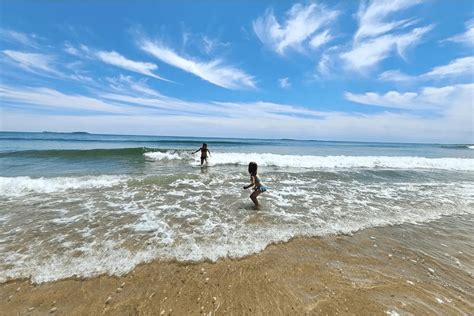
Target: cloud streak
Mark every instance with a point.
(32, 61)
(214, 71)
(457, 68)
(115, 59)
(13, 36)
(50, 98)
(434, 98)
(171, 116)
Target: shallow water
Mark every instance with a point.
(82, 204)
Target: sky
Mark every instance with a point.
(395, 71)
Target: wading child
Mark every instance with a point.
(204, 152)
(256, 183)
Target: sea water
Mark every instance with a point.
(80, 205)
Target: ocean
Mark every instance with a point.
(81, 205)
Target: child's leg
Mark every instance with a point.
(202, 160)
(253, 197)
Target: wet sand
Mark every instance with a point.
(401, 269)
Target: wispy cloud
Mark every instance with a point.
(377, 36)
(284, 82)
(125, 84)
(460, 67)
(396, 76)
(115, 59)
(211, 45)
(457, 67)
(372, 17)
(369, 53)
(50, 98)
(13, 36)
(305, 25)
(169, 116)
(45, 65)
(437, 98)
(320, 39)
(33, 62)
(466, 38)
(70, 49)
(214, 71)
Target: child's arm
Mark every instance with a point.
(197, 151)
(209, 153)
(251, 184)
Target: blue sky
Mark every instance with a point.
(399, 70)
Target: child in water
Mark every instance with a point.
(204, 152)
(256, 183)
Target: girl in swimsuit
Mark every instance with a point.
(256, 183)
(204, 152)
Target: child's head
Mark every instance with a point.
(253, 168)
(204, 145)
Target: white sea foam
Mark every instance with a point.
(323, 162)
(317, 162)
(168, 155)
(139, 221)
(470, 147)
(19, 186)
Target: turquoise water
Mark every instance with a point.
(82, 204)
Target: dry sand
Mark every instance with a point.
(371, 272)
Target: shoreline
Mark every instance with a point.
(374, 271)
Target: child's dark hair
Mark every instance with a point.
(253, 168)
(204, 145)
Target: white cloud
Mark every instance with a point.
(284, 82)
(372, 17)
(47, 66)
(434, 98)
(18, 37)
(169, 116)
(367, 54)
(46, 97)
(68, 48)
(395, 75)
(210, 45)
(115, 59)
(302, 23)
(214, 71)
(326, 62)
(377, 36)
(457, 67)
(460, 67)
(32, 61)
(466, 38)
(320, 39)
(124, 84)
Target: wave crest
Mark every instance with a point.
(19, 186)
(322, 162)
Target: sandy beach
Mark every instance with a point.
(237, 158)
(376, 271)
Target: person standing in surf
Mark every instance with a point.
(256, 183)
(204, 152)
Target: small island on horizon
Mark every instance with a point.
(49, 132)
